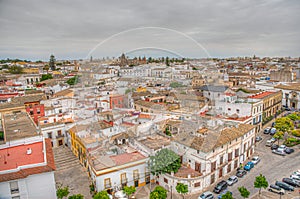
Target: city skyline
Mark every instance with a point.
(194, 29)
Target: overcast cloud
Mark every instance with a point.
(34, 29)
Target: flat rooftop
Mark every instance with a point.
(14, 157)
(18, 125)
(155, 142)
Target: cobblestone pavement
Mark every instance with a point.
(70, 173)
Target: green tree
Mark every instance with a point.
(52, 62)
(73, 80)
(284, 124)
(294, 116)
(244, 192)
(164, 161)
(227, 195)
(45, 77)
(278, 135)
(261, 182)
(129, 190)
(101, 195)
(46, 67)
(62, 192)
(182, 189)
(76, 196)
(175, 85)
(15, 70)
(167, 61)
(158, 193)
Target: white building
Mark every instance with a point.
(28, 169)
(209, 155)
(54, 131)
(112, 172)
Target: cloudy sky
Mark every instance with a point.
(34, 29)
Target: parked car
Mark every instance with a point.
(273, 124)
(281, 148)
(206, 195)
(272, 131)
(241, 173)
(274, 146)
(220, 186)
(296, 172)
(289, 150)
(224, 192)
(255, 160)
(295, 176)
(232, 180)
(249, 166)
(269, 143)
(290, 182)
(267, 130)
(258, 138)
(284, 186)
(273, 140)
(276, 189)
(278, 152)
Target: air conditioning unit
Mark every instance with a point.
(29, 151)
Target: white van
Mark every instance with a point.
(269, 143)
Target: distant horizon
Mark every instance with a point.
(156, 57)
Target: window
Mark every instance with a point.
(136, 174)
(59, 132)
(236, 152)
(237, 110)
(221, 160)
(197, 184)
(38, 111)
(166, 180)
(107, 183)
(230, 156)
(14, 188)
(16, 197)
(123, 178)
(50, 135)
(213, 166)
(229, 109)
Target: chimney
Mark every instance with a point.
(29, 151)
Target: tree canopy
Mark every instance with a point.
(73, 80)
(45, 77)
(284, 124)
(129, 190)
(181, 188)
(15, 70)
(227, 195)
(158, 193)
(101, 195)
(76, 196)
(62, 192)
(175, 85)
(261, 182)
(244, 192)
(52, 62)
(278, 135)
(164, 161)
(294, 116)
